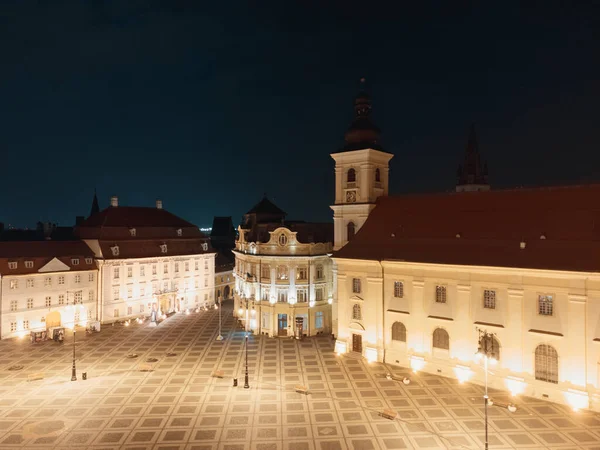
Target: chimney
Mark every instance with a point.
(158, 204)
(114, 201)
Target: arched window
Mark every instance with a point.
(282, 273)
(377, 176)
(351, 176)
(282, 239)
(441, 339)
(398, 332)
(356, 312)
(351, 230)
(546, 364)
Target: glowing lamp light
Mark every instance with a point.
(330, 301)
(515, 385)
(216, 306)
(127, 323)
(463, 373)
(371, 354)
(511, 407)
(341, 347)
(417, 363)
(493, 361)
(240, 311)
(311, 304)
(577, 399)
(252, 323)
(272, 300)
(253, 312)
(292, 301)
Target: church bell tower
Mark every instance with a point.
(361, 172)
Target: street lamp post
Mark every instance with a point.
(246, 384)
(486, 350)
(74, 369)
(220, 336)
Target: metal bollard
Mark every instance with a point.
(84, 375)
(234, 382)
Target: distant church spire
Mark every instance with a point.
(95, 207)
(362, 133)
(472, 175)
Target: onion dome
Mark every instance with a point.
(362, 133)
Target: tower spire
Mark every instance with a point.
(362, 133)
(95, 207)
(471, 175)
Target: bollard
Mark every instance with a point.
(234, 382)
(84, 375)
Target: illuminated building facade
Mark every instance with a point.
(46, 284)
(148, 259)
(283, 274)
(427, 272)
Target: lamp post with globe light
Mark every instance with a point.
(486, 351)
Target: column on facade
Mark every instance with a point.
(576, 361)
(463, 347)
(366, 181)
(374, 306)
(418, 334)
(513, 350)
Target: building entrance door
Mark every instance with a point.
(357, 343)
(282, 324)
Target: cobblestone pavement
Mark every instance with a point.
(176, 402)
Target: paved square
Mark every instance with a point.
(154, 388)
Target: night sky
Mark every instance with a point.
(207, 105)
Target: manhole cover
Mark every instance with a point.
(171, 354)
(13, 368)
(151, 360)
(132, 355)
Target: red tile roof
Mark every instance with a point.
(491, 226)
(42, 252)
(136, 217)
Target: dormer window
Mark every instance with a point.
(163, 248)
(88, 260)
(377, 176)
(132, 231)
(12, 265)
(115, 250)
(29, 264)
(75, 261)
(205, 246)
(282, 239)
(179, 232)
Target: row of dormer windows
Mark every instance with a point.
(29, 264)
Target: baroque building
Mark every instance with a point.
(283, 274)
(426, 273)
(148, 260)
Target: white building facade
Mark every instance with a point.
(46, 284)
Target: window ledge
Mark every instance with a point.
(487, 324)
(549, 333)
(441, 318)
(398, 311)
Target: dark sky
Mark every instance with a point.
(207, 105)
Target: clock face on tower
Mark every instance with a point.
(350, 196)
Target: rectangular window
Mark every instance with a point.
(76, 317)
(176, 267)
(129, 310)
(61, 299)
(13, 305)
(319, 294)
(205, 297)
(29, 264)
(141, 308)
(319, 319)
(195, 265)
(356, 285)
(398, 289)
(30, 282)
(91, 296)
(75, 261)
(88, 260)
(489, 299)
(129, 292)
(265, 320)
(187, 266)
(48, 282)
(116, 313)
(440, 294)
(265, 294)
(77, 279)
(12, 265)
(206, 264)
(265, 271)
(153, 269)
(205, 281)
(301, 295)
(61, 280)
(116, 273)
(282, 296)
(29, 303)
(142, 291)
(116, 294)
(48, 302)
(142, 271)
(26, 325)
(89, 314)
(13, 327)
(78, 298)
(545, 305)
(14, 284)
(320, 274)
(196, 283)
(129, 272)
(166, 268)
(301, 273)
(90, 277)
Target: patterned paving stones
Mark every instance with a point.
(167, 397)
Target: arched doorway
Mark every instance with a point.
(226, 293)
(53, 319)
